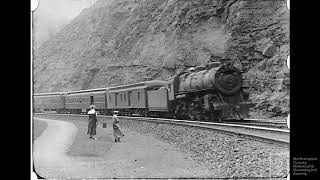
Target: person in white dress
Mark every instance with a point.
(93, 121)
(117, 133)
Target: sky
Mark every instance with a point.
(52, 15)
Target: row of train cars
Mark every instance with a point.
(211, 93)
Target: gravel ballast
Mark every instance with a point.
(227, 155)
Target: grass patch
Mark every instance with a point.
(38, 128)
(82, 145)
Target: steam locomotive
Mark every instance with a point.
(211, 93)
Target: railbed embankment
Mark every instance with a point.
(228, 155)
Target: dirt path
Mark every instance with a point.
(136, 156)
(50, 147)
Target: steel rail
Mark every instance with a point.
(276, 135)
(264, 123)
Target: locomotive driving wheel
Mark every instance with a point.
(199, 116)
(207, 117)
(195, 115)
(191, 115)
(217, 116)
(190, 112)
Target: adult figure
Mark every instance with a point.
(117, 133)
(92, 125)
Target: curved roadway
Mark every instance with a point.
(136, 156)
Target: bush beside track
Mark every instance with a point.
(225, 154)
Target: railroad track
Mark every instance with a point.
(281, 124)
(251, 128)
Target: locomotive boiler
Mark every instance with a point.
(215, 92)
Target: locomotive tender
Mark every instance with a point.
(212, 93)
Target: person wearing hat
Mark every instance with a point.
(117, 133)
(92, 122)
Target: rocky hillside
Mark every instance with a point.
(124, 41)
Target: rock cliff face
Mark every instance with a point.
(124, 41)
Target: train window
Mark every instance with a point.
(169, 87)
(129, 95)
(116, 99)
(138, 96)
(124, 97)
(110, 98)
(91, 100)
(121, 97)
